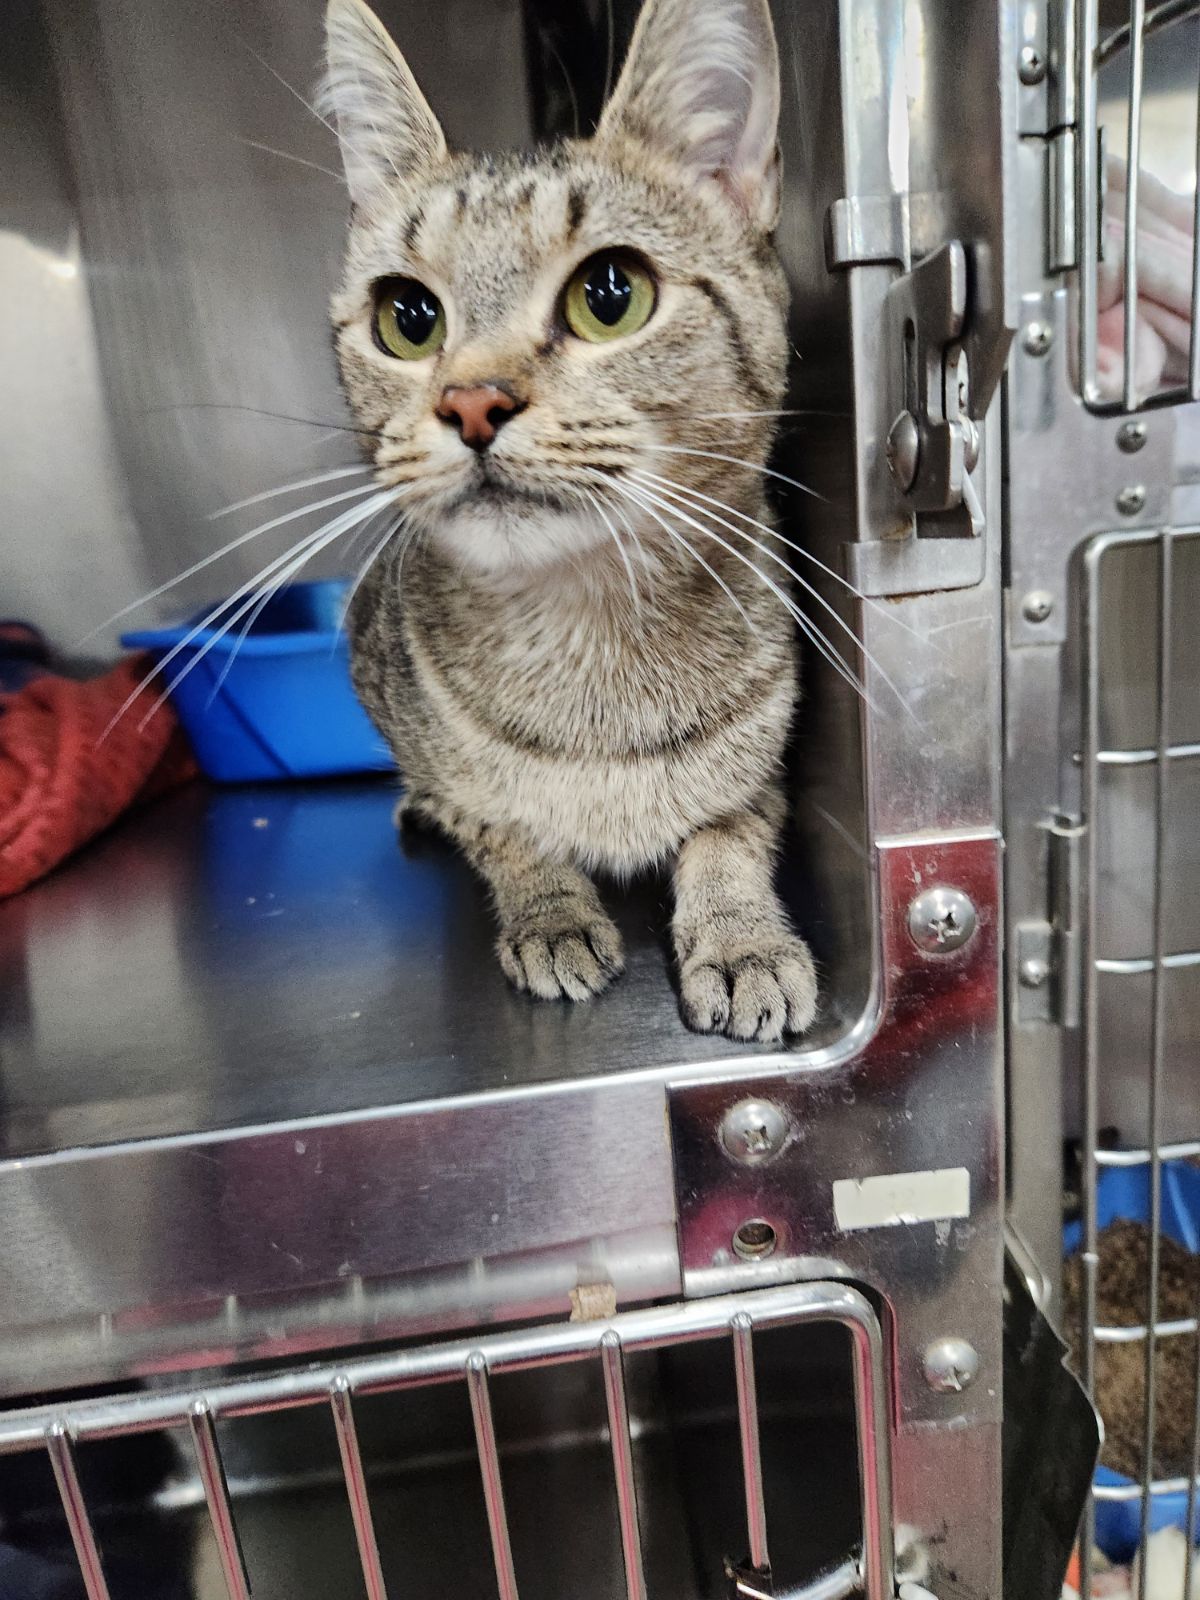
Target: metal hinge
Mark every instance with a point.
(1049, 973)
(1062, 241)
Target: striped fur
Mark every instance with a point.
(566, 686)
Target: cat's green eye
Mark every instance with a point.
(409, 320)
(609, 296)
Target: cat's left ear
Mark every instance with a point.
(701, 83)
(384, 125)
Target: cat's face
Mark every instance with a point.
(524, 334)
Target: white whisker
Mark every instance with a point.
(308, 547)
(286, 155)
(780, 562)
(621, 550)
(734, 461)
(374, 556)
(648, 566)
(251, 584)
(288, 488)
(722, 416)
(809, 628)
(774, 533)
(268, 596)
(207, 561)
(673, 533)
(307, 104)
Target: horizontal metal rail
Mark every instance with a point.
(1131, 965)
(1146, 757)
(1184, 1151)
(1125, 1492)
(1136, 1332)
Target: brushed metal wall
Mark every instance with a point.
(163, 281)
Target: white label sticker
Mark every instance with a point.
(902, 1198)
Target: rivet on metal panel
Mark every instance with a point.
(753, 1131)
(904, 450)
(755, 1240)
(1031, 64)
(951, 1365)
(1037, 338)
(1131, 436)
(1131, 499)
(941, 920)
(1037, 605)
(1033, 972)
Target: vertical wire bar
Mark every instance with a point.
(1194, 336)
(489, 1466)
(87, 1552)
(356, 1487)
(747, 1399)
(1089, 1259)
(1088, 199)
(874, 1461)
(216, 1493)
(613, 1363)
(1157, 1031)
(1189, 1563)
(1133, 155)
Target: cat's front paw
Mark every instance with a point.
(757, 988)
(572, 954)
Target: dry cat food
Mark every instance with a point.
(1121, 1368)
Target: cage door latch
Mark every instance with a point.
(933, 444)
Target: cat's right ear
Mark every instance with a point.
(701, 83)
(384, 125)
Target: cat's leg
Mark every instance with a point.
(742, 971)
(555, 938)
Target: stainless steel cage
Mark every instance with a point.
(337, 1128)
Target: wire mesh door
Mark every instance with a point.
(62, 1432)
(1141, 1004)
(1139, 271)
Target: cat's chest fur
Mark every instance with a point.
(608, 732)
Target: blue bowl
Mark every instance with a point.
(1123, 1194)
(278, 703)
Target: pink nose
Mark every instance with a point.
(478, 412)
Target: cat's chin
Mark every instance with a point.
(499, 534)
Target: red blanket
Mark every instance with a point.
(62, 781)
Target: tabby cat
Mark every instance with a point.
(564, 360)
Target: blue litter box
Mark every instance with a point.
(1123, 1194)
(279, 703)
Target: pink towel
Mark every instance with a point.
(1164, 298)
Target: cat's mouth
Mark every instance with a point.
(491, 487)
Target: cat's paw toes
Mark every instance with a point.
(574, 961)
(758, 991)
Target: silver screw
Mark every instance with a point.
(753, 1131)
(1031, 64)
(1037, 605)
(1131, 499)
(941, 920)
(1037, 338)
(951, 1365)
(1131, 436)
(904, 450)
(1033, 972)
